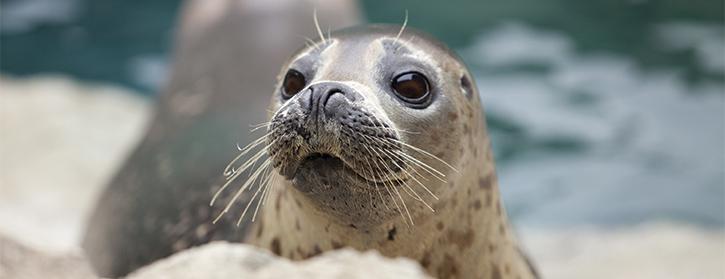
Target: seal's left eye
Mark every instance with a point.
(294, 82)
(412, 87)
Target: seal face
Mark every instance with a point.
(349, 114)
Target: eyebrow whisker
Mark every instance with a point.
(402, 28)
(317, 25)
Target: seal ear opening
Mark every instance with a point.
(467, 86)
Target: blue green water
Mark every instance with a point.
(601, 112)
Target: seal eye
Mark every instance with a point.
(294, 82)
(412, 87)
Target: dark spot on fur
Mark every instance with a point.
(297, 225)
(463, 240)
(299, 204)
(435, 138)
(491, 248)
(506, 268)
(439, 226)
(495, 272)
(353, 226)
(440, 205)
(276, 247)
(425, 261)
(477, 204)
(336, 245)
(448, 268)
(278, 203)
(485, 182)
(498, 207)
(501, 228)
(391, 234)
(260, 228)
(452, 115)
(489, 198)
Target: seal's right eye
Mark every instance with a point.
(294, 82)
(413, 88)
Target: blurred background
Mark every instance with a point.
(607, 119)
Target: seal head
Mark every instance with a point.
(378, 141)
(350, 112)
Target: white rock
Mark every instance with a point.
(227, 260)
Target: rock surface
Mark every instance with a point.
(226, 260)
(20, 262)
(213, 260)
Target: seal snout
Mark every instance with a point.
(330, 100)
(329, 130)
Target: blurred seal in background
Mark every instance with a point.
(227, 55)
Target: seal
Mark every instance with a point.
(377, 140)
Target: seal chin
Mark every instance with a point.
(323, 171)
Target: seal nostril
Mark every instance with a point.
(330, 95)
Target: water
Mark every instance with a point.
(597, 138)
(601, 112)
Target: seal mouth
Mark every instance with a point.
(333, 167)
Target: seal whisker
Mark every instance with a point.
(309, 42)
(378, 122)
(367, 182)
(259, 187)
(260, 153)
(385, 184)
(246, 184)
(415, 171)
(405, 22)
(265, 193)
(417, 163)
(426, 153)
(259, 126)
(244, 151)
(405, 183)
(413, 160)
(374, 172)
(379, 125)
(244, 166)
(427, 168)
(391, 129)
(379, 156)
(229, 170)
(377, 189)
(317, 25)
(404, 206)
(237, 172)
(411, 176)
(271, 184)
